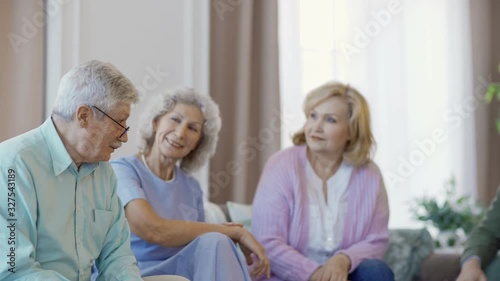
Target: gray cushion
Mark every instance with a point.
(407, 249)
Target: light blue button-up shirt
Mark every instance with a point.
(57, 220)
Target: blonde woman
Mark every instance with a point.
(321, 208)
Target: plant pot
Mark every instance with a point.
(448, 239)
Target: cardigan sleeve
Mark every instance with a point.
(375, 243)
(484, 240)
(271, 216)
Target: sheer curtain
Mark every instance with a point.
(412, 60)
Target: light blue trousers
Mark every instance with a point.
(210, 257)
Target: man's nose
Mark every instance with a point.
(124, 137)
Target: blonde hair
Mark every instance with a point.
(359, 148)
(164, 103)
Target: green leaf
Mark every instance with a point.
(498, 125)
(490, 93)
(455, 212)
(496, 88)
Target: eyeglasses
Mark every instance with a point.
(125, 129)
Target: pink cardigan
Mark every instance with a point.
(280, 218)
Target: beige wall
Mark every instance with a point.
(158, 44)
(153, 42)
(21, 67)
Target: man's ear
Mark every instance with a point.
(83, 114)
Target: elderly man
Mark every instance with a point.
(60, 213)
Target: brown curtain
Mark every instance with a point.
(486, 57)
(244, 81)
(493, 168)
(21, 66)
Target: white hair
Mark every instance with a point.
(164, 103)
(93, 83)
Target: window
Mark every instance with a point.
(406, 68)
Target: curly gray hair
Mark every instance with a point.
(164, 103)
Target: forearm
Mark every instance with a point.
(364, 250)
(484, 240)
(121, 268)
(471, 270)
(177, 233)
(150, 227)
(482, 243)
(288, 263)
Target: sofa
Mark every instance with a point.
(411, 254)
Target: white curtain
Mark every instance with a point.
(412, 61)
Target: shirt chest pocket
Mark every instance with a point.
(100, 223)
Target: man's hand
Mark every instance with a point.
(335, 269)
(471, 271)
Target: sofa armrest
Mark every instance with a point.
(225, 210)
(440, 267)
(214, 213)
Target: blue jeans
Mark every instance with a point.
(372, 270)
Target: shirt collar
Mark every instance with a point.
(61, 160)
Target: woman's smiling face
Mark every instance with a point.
(179, 131)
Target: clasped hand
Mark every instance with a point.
(251, 247)
(335, 269)
(471, 271)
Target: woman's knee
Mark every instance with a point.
(217, 246)
(214, 239)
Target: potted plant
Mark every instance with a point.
(452, 215)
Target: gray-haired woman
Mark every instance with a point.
(164, 204)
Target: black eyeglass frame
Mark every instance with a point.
(125, 129)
